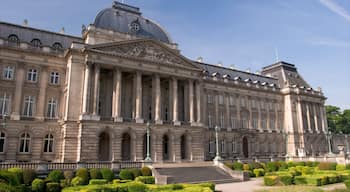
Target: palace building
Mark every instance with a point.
(85, 99)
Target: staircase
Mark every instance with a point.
(194, 173)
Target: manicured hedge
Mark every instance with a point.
(259, 172)
(146, 179)
(286, 179)
(146, 171)
(271, 180)
(95, 174)
(38, 185)
(55, 176)
(98, 181)
(53, 187)
(347, 184)
(107, 174)
(126, 174)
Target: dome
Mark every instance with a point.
(127, 19)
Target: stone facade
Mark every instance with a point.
(81, 99)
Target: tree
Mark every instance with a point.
(338, 121)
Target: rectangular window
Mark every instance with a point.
(29, 103)
(272, 123)
(211, 146)
(253, 103)
(232, 101)
(51, 108)
(242, 102)
(233, 122)
(233, 147)
(55, 77)
(222, 119)
(222, 147)
(210, 120)
(2, 142)
(8, 72)
(32, 75)
(221, 99)
(255, 123)
(210, 98)
(5, 104)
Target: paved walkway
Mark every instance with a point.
(257, 184)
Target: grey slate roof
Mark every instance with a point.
(119, 17)
(27, 34)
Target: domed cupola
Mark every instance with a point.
(127, 19)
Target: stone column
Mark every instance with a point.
(308, 117)
(268, 119)
(227, 106)
(86, 92)
(300, 117)
(216, 115)
(276, 117)
(175, 103)
(250, 121)
(315, 118)
(158, 116)
(20, 75)
(40, 114)
(259, 116)
(190, 99)
(117, 92)
(96, 97)
(238, 111)
(323, 126)
(198, 98)
(138, 98)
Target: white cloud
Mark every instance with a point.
(333, 6)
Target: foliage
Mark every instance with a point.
(107, 174)
(135, 172)
(238, 166)
(7, 188)
(246, 167)
(146, 171)
(283, 166)
(68, 175)
(98, 181)
(136, 187)
(300, 180)
(307, 170)
(28, 176)
(146, 179)
(95, 174)
(9, 178)
(210, 185)
(347, 184)
(286, 179)
(259, 172)
(327, 166)
(338, 121)
(55, 176)
(18, 172)
(271, 180)
(38, 185)
(77, 181)
(126, 174)
(53, 187)
(83, 174)
(340, 167)
(271, 167)
(256, 165)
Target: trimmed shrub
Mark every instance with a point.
(327, 166)
(300, 163)
(7, 188)
(136, 187)
(347, 166)
(332, 179)
(9, 178)
(107, 174)
(259, 172)
(135, 172)
(324, 180)
(307, 170)
(286, 179)
(238, 166)
(347, 184)
(345, 176)
(210, 185)
(98, 181)
(28, 176)
(77, 181)
(315, 181)
(38, 185)
(68, 175)
(246, 167)
(146, 171)
(126, 174)
(55, 176)
(18, 173)
(83, 174)
(95, 174)
(300, 180)
(177, 186)
(294, 171)
(271, 180)
(283, 166)
(290, 164)
(146, 179)
(271, 167)
(340, 167)
(53, 187)
(116, 181)
(256, 165)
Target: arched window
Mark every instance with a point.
(36, 43)
(24, 143)
(2, 142)
(48, 143)
(13, 39)
(57, 46)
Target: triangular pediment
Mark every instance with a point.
(144, 49)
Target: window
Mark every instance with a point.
(29, 102)
(232, 101)
(233, 122)
(48, 143)
(210, 98)
(210, 120)
(5, 104)
(211, 146)
(272, 124)
(36, 43)
(8, 72)
(253, 103)
(32, 75)
(24, 143)
(255, 123)
(2, 142)
(233, 146)
(13, 40)
(242, 102)
(222, 119)
(221, 99)
(57, 46)
(55, 78)
(52, 108)
(222, 146)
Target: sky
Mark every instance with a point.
(249, 34)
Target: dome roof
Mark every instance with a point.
(127, 19)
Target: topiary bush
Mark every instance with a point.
(9, 178)
(136, 187)
(146, 179)
(259, 172)
(55, 176)
(83, 174)
(18, 173)
(95, 174)
(38, 185)
(271, 180)
(68, 176)
(146, 171)
(307, 170)
(340, 167)
(300, 163)
(98, 181)
(283, 166)
(271, 167)
(256, 165)
(107, 174)
(290, 164)
(28, 176)
(77, 181)
(286, 179)
(246, 167)
(7, 188)
(126, 174)
(53, 187)
(347, 184)
(210, 185)
(300, 180)
(135, 172)
(238, 166)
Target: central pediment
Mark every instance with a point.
(146, 50)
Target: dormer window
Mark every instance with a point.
(237, 78)
(36, 43)
(226, 76)
(13, 39)
(135, 27)
(57, 46)
(216, 74)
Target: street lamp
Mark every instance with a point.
(217, 157)
(329, 135)
(148, 131)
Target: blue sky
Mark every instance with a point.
(313, 34)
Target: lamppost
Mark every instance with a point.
(217, 157)
(286, 137)
(148, 132)
(329, 135)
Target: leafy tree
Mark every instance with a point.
(338, 121)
